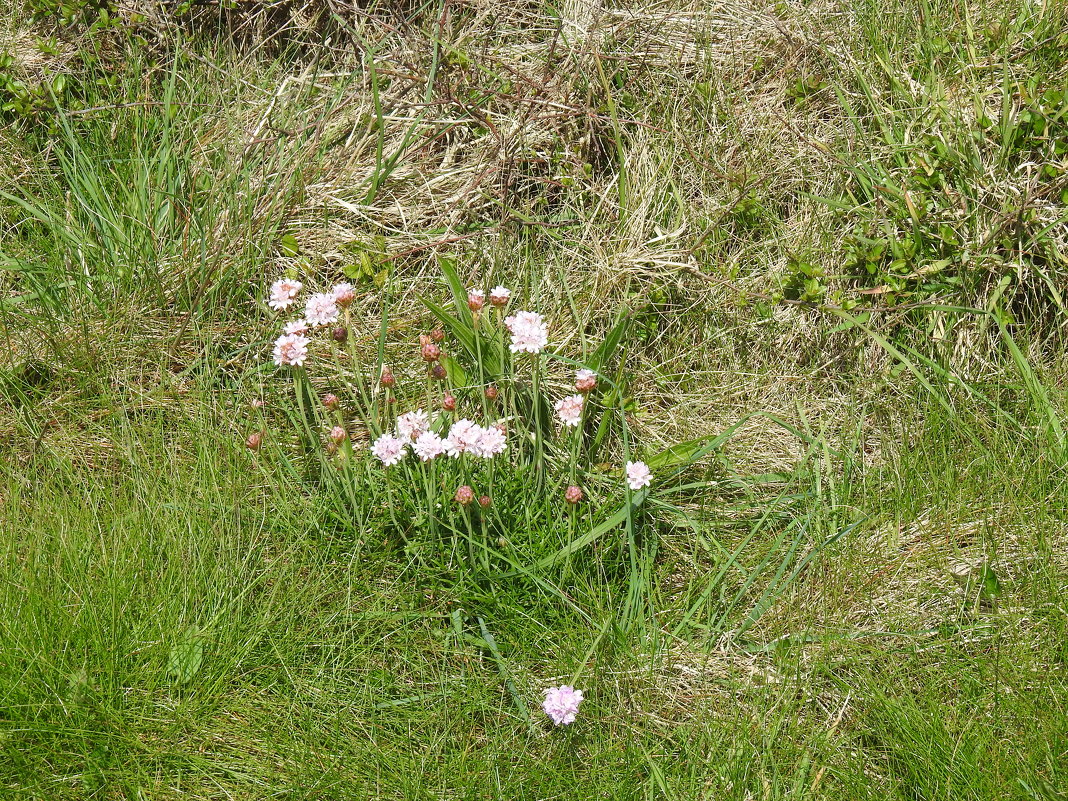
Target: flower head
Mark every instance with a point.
(491, 441)
(463, 436)
(344, 294)
(569, 410)
(430, 352)
(476, 299)
(321, 309)
(283, 293)
(529, 334)
(438, 372)
(638, 475)
(411, 424)
(438, 335)
(448, 403)
(387, 379)
(464, 495)
(585, 381)
(573, 495)
(562, 704)
(485, 501)
(331, 401)
(255, 439)
(340, 334)
(337, 434)
(291, 349)
(492, 392)
(499, 296)
(389, 449)
(428, 445)
(296, 327)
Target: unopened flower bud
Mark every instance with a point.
(330, 401)
(438, 371)
(337, 434)
(465, 495)
(585, 381)
(340, 334)
(331, 448)
(573, 495)
(476, 299)
(424, 339)
(485, 502)
(255, 439)
(387, 379)
(448, 403)
(431, 352)
(438, 334)
(492, 392)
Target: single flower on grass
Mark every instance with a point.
(389, 449)
(638, 475)
(561, 704)
(585, 381)
(569, 410)
(529, 334)
(284, 293)
(321, 309)
(499, 296)
(291, 350)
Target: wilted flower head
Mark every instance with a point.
(411, 424)
(529, 334)
(585, 380)
(330, 401)
(464, 495)
(337, 434)
(340, 334)
(438, 335)
(439, 372)
(296, 327)
(573, 495)
(638, 475)
(492, 392)
(387, 379)
(491, 441)
(321, 309)
(463, 436)
(562, 704)
(430, 352)
(448, 403)
(255, 439)
(569, 410)
(389, 449)
(476, 299)
(344, 294)
(428, 445)
(283, 293)
(291, 349)
(499, 296)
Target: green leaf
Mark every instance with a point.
(991, 585)
(288, 245)
(186, 657)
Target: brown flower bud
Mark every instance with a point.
(340, 334)
(387, 379)
(492, 392)
(338, 434)
(330, 401)
(465, 495)
(438, 334)
(431, 352)
(448, 403)
(438, 371)
(255, 439)
(485, 502)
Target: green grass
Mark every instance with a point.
(849, 260)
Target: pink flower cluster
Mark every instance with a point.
(464, 436)
(321, 308)
(529, 334)
(561, 704)
(569, 410)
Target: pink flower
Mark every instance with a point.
(529, 334)
(291, 349)
(337, 434)
(296, 327)
(573, 495)
(569, 410)
(499, 296)
(343, 294)
(638, 475)
(428, 445)
(464, 495)
(321, 309)
(463, 436)
(562, 704)
(283, 293)
(389, 449)
(585, 381)
(476, 299)
(491, 441)
(411, 424)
